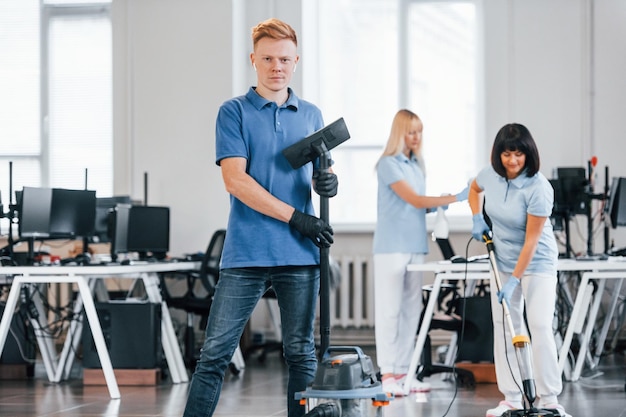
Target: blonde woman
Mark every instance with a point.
(400, 239)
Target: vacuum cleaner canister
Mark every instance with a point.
(345, 385)
(350, 370)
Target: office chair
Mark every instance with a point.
(198, 296)
(454, 324)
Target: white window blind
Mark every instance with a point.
(55, 96)
(80, 102)
(20, 92)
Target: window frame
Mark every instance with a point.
(49, 12)
(458, 222)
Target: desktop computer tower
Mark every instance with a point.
(132, 333)
(19, 347)
(477, 343)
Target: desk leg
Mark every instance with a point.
(171, 348)
(618, 327)
(578, 313)
(584, 342)
(423, 332)
(73, 337)
(173, 355)
(617, 288)
(47, 349)
(98, 338)
(9, 310)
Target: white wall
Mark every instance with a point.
(176, 70)
(556, 66)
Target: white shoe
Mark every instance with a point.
(391, 386)
(416, 385)
(503, 407)
(557, 407)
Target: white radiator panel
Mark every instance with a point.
(352, 302)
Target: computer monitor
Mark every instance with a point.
(72, 213)
(104, 207)
(617, 202)
(34, 212)
(149, 231)
(118, 229)
(571, 191)
(558, 212)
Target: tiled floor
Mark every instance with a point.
(261, 388)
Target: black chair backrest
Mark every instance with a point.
(210, 266)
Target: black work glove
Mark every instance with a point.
(312, 227)
(325, 184)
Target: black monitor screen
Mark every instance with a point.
(104, 207)
(571, 196)
(72, 213)
(617, 202)
(34, 212)
(149, 231)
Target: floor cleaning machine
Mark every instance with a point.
(345, 384)
(523, 352)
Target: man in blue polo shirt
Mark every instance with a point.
(273, 236)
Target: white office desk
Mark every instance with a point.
(85, 277)
(592, 270)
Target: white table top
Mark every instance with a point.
(98, 270)
(612, 264)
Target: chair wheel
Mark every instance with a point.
(233, 369)
(467, 381)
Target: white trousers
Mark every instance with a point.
(397, 304)
(539, 293)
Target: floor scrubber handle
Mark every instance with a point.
(496, 275)
(520, 342)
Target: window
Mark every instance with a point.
(367, 59)
(55, 95)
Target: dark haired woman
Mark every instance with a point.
(518, 199)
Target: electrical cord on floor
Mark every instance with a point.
(585, 382)
(461, 333)
(506, 354)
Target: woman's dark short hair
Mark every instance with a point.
(515, 137)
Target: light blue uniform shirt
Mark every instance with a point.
(400, 227)
(258, 130)
(507, 204)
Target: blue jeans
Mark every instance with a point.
(237, 293)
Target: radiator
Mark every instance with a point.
(352, 301)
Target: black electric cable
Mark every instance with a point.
(461, 333)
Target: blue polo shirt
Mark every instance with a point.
(400, 227)
(507, 203)
(258, 130)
